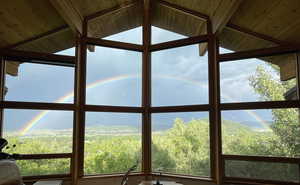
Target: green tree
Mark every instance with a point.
(184, 148)
(285, 121)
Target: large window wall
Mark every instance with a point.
(228, 118)
(37, 111)
(260, 126)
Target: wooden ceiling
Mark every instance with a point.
(51, 25)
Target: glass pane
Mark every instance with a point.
(179, 77)
(30, 82)
(180, 143)
(44, 167)
(38, 132)
(161, 35)
(112, 142)
(114, 77)
(272, 132)
(262, 170)
(256, 80)
(68, 52)
(130, 36)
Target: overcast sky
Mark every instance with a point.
(179, 77)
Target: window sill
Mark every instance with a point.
(153, 174)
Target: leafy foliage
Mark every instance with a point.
(285, 121)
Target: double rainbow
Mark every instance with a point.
(101, 82)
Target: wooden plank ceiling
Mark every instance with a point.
(51, 25)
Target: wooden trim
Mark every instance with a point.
(153, 174)
(43, 156)
(74, 163)
(238, 180)
(113, 44)
(185, 108)
(299, 171)
(298, 75)
(212, 75)
(2, 87)
(37, 106)
(260, 105)
(80, 103)
(257, 53)
(209, 28)
(262, 159)
(26, 55)
(117, 8)
(101, 108)
(179, 43)
(183, 9)
(113, 175)
(43, 35)
(214, 101)
(146, 89)
(21, 60)
(47, 177)
(188, 177)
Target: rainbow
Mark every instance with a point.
(101, 82)
(64, 98)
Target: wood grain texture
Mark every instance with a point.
(221, 16)
(21, 20)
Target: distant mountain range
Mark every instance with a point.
(116, 129)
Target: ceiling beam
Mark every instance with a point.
(219, 19)
(183, 9)
(69, 13)
(112, 10)
(41, 36)
(72, 16)
(228, 25)
(237, 28)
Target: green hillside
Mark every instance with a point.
(183, 149)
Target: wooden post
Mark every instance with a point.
(298, 92)
(298, 75)
(78, 145)
(214, 101)
(2, 86)
(74, 172)
(146, 90)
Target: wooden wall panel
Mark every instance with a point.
(116, 22)
(177, 21)
(21, 20)
(207, 7)
(88, 7)
(59, 41)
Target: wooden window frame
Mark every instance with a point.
(274, 51)
(50, 59)
(214, 107)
